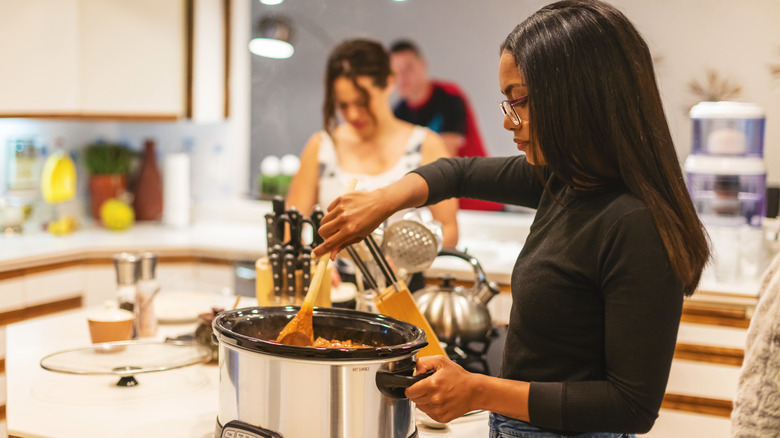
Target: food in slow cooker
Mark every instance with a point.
(321, 342)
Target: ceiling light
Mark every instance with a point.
(270, 48)
(274, 38)
(271, 2)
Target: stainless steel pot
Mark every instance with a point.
(313, 392)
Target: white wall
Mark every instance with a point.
(740, 40)
(461, 38)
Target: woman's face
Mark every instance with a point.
(512, 83)
(353, 107)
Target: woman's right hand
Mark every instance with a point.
(351, 217)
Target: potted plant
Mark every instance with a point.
(108, 165)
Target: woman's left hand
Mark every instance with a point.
(445, 395)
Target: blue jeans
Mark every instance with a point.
(505, 427)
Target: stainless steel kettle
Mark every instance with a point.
(456, 314)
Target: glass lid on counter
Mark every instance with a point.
(126, 358)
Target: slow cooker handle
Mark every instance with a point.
(393, 385)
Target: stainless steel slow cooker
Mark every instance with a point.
(316, 392)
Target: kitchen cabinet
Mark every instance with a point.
(39, 53)
(104, 59)
(29, 295)
(132, 57)
(3, 382)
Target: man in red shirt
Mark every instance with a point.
(441, 106)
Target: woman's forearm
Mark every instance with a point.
(412, 191)
(408, 192)
(502, 396)
(449, 232)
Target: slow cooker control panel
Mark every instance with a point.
(239, 429)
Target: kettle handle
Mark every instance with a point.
(482, 290)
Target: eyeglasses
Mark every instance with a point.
(508, 107)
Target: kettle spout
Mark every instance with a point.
(486, 292)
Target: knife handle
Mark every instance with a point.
(295, 228)
(306, 269)
(278, 204)
(279, 227)
(289, 266)
(270, 231)
(274, 259)
(316, 220)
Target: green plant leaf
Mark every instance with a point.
(108, 159)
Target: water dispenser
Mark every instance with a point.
(728, 129)
(727, 182)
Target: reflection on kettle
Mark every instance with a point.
(458, 315)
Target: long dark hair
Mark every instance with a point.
(351, 59)
(597, 117)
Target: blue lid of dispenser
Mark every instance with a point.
(734, 129)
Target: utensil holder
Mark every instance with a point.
(264, 286)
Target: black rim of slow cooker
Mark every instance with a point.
(223, 322)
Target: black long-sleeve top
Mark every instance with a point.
(595, 305)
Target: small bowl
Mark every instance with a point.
(204, 332)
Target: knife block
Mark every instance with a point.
(264, 286)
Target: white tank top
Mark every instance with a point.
(333, 179)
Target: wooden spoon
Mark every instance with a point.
(299, 331)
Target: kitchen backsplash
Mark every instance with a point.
(206, 144)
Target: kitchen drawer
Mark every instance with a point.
(709, 335)
(701, 379)
(2, 342)
(99, 284)
(54, 285)
(175, 275)
(11, 294)
(676, 424)
(217, 275)
(3, 386)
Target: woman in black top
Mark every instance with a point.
(615, 245)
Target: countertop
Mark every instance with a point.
(236, 231)
(176, 403)
(232, 240)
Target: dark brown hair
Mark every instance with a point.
(352, 59)
(405, 46)
(597, 116)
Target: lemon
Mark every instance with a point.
(116, 215)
